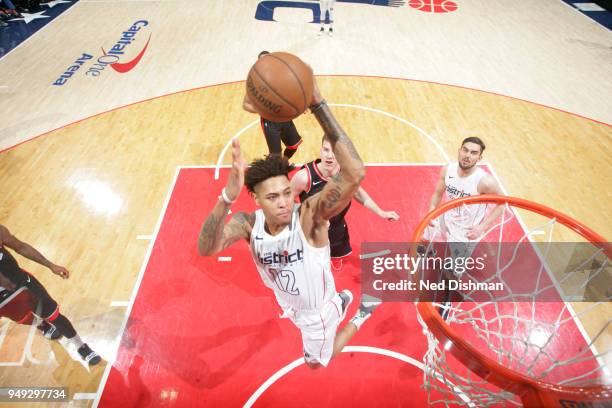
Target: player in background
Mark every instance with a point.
(21, 306)
(464, 226)
(327, 7)
(461, 179)
(311, 179)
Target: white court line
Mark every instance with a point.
(348, 349)
(229, 143)
(225, 259)
(84, 396)
(28, 346)
(27, 349)
(343, 105)
(3, 330)
(404, 121)
(144, 237)
(119, 304)
(111, 359)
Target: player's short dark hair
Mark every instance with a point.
(477, 140)
(264, 52)
(270, 166)
(325, 138)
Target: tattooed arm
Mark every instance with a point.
(215, 235)
(340, 189)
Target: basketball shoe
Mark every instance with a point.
(367, 306)
(347, 299)
(88, 355)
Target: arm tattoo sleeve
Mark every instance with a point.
(333, 130)
(209, 232)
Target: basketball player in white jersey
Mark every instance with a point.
(289, 242)
(327, 7)
(466, 223)
(463, 226)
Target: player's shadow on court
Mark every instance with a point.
(128, 389)
(187, 357)
(180, 342)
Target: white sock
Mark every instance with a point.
(76, 341)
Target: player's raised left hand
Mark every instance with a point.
(236, 177)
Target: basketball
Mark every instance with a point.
(279, 86)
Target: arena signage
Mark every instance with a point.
(113, 58)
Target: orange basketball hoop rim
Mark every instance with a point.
(533, 392)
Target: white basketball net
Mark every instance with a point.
(546, 341)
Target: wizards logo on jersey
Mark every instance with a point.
(281, 259)
(454, 192)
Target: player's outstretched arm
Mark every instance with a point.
(340, 189)
(368, 202)
(28, 251)
(215, 235)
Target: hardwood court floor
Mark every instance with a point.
(90, 192)
(100, 183)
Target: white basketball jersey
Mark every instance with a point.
(298, 273)
(459, 219)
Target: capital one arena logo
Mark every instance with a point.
(266, 9)
(121, 57)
